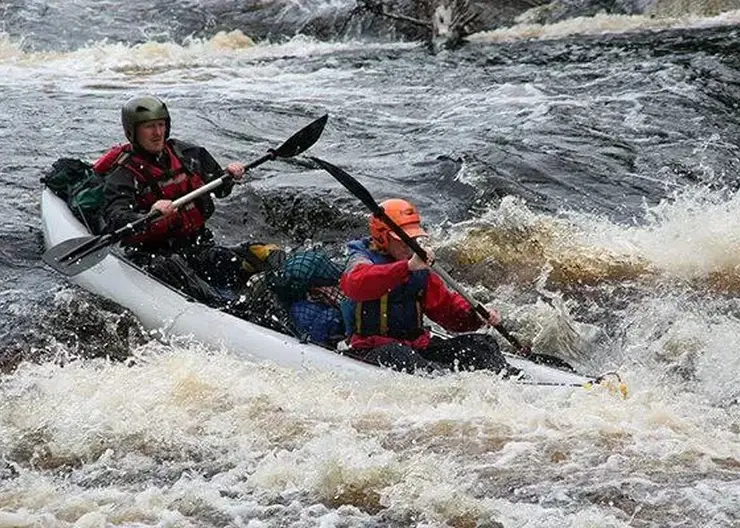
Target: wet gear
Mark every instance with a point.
(141, 109)
(258, 257)
(308, 286)
(317, 322)
(76, 183)
(212, 274)
(304, 271)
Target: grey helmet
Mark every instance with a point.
(141, 109)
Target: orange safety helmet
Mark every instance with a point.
(402, 213)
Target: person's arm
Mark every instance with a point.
(365, 281)
(211, 171)
(120, 199)
(447, 308)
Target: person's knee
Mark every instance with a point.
(482, 341)
(168, 266)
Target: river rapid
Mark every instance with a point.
(580, 177)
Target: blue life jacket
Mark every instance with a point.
(398, 314)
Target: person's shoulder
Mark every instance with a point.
(184, 147)
(359, 245)
(358, 252)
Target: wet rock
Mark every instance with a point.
(75, 325)
(7, 471)
(309, 216)
(564, 9)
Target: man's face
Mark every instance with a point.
(399, 250)
(150, 135)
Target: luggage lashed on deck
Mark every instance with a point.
(308, 285)
(81, 187)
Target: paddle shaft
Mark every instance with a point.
(192, 195)
(152, 215)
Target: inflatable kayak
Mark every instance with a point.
(164, 309)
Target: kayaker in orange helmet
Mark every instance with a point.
(390, 290)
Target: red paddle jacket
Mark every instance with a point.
(364, 281)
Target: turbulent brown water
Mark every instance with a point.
(583, 181)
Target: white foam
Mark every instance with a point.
(409, 445)
(602, 24)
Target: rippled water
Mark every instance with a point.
(584, 185)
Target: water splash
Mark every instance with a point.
(199, 436)
(690, 238)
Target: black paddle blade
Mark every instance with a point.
(303, 139)
(75, 255)
(351, 184)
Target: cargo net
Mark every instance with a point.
(299, 296)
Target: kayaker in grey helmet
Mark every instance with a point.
(151, 171)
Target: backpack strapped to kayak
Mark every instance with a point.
(298, 295)
(303, 272)
(76, 183)
(308, 286)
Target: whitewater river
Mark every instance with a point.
(585, 185)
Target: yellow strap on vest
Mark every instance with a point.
(384, 315)
(383, 330)
(358, 318)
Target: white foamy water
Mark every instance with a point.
(185, 436)
(604, 24)
(683, 256)
(691, 236)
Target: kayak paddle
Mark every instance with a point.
(75, 255)
(356, 188)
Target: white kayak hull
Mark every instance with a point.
(159, 307)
